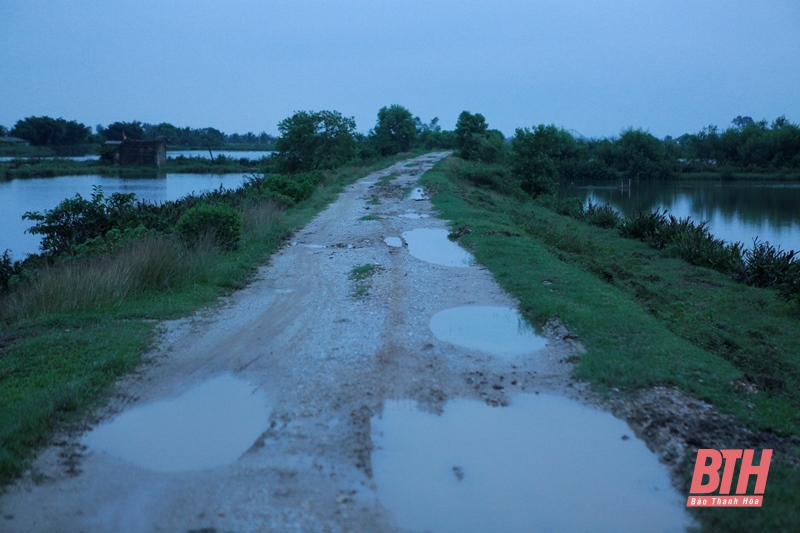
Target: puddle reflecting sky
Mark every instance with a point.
(494, 330)
(210, 425)
(417, 193)
(433, 246)
(394, 242)
(544, 463)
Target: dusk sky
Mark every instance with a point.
(670, 67)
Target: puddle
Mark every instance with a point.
(394, 242)
(416, 194)
(544, 463)
(494, 330)
(412, 215)
(433, 246)
(210, 425)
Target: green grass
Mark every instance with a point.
(369, 217)
(360, 277)
(71, 333)
(646, 319)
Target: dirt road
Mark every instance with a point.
(322, 343)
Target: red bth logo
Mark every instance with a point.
(707, 478)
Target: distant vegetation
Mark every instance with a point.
(61, 137)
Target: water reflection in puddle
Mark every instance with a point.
(211, 425)
(544, 463)
(394, 242)
(417, 193)
(433, 246)
(494, 330)
(413, 215)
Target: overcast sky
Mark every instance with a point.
(671, 66)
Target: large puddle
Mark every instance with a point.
(210, 425)
(544, 463)
(433, 246)
(494, 330)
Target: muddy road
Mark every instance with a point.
(371, 378)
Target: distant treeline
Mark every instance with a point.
(59, 133)
(323, 139)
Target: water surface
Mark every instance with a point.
(38, 194)
(433, 246)
(736, 211)
(544, 463)
(493, 330)
(210, 425)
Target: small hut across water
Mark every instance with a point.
(143, 153)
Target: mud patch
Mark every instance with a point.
(210, 425)
(493, 330)
(545, 463)
(433, 246)
(413, 215)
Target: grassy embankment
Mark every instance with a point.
(65, 338)
(646, 319)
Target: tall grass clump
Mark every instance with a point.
(148, 264)
(261, 219)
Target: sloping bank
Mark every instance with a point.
(70, 331)
(689, 357)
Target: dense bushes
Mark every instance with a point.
(217, 222)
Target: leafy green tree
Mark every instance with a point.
(395, 131)
(315, 140)
(3, 131)
(46, 131)
(469, 130)
(118, 130)
(530, 163)
(476, 142)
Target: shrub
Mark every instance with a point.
(603, 216)
(221, 222)
(76, 220)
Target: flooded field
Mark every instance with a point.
(210, 425)
(544, 463)
(493, 330)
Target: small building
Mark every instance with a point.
(142, 153)
(14, 141)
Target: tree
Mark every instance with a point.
(123, 130)
(469, 129)
(531, 164)
(395, 131)
(3, 131)
(46, 131)
(315, 140)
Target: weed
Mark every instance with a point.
(360, 276)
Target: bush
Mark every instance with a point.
(603, 216)
(221, 222)
(76, 220)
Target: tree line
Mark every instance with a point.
(50, 132)
(542, 154)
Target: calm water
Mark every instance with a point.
(172, 154)
(736, 211)
(19, 196)
(544, 463)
